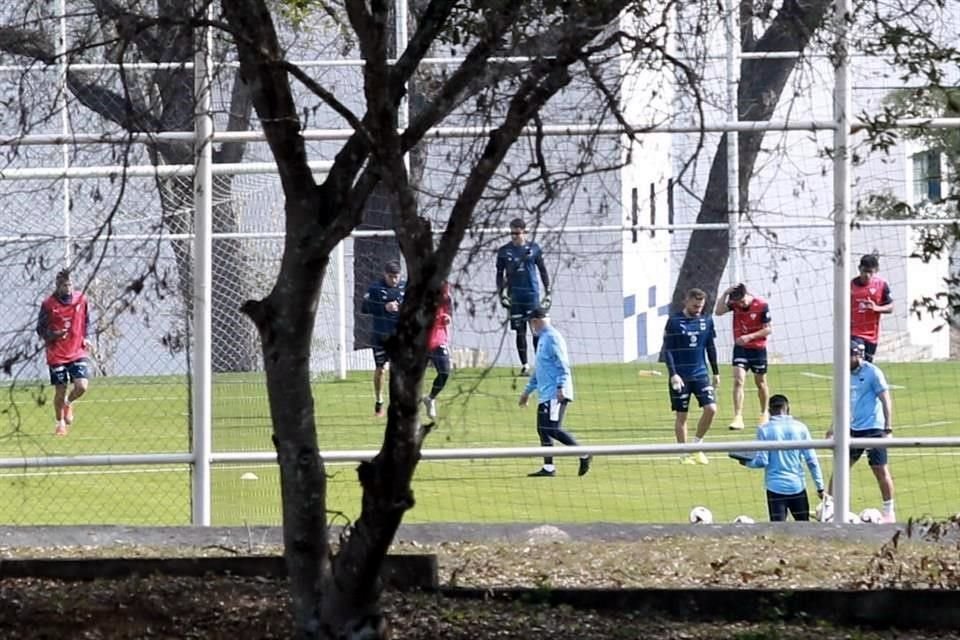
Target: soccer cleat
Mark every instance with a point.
(431, 405)
(888, 518)
(700, 458)
(68, 413)
(584, 466)
(525, 370)
(378, 409)
(737, 423)
(542, 473)
(763, 419)
(691, 459)
(61, 430)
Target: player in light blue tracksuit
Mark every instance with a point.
(784, 475)
(553, 382)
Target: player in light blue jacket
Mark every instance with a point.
(784, 474)
(553, 382)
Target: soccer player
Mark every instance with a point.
(687, 338)
(783, 470)
(553, 382)
(64, 325)
(382, 301)
(438, 344)
(871, 416)
(751, 326)
(518, 263)
(869, 299)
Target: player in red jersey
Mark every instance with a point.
(751, 326)
(64, 326)
(869, 299)
(438, 345)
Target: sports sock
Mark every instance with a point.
(888, 506)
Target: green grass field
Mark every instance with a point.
(613, 405)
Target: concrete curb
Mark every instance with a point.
(401, 572)
(882, 608)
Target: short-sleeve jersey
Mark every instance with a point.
(70, 314)
(519, 268)
(750, 320)
(866, 385)
(864, 322)
(686, 340)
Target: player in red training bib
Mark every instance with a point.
(751, 326)
(64, 325)
(869, 299)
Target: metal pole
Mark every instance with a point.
(202, 277)
(841, 271)
(65, 128)
(341, 293)
(733, 142)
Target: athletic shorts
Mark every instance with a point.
(61, 374)
(875, 457)
(380, 357)
(754, 360)
(698, 387)
(519, 312)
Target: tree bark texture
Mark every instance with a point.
(761, 85)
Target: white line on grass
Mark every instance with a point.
(821, 376)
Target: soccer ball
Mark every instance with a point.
(701, 515)
(871, 515)
(744, 520)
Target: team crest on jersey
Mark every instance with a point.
(753, 316)
(872, 290)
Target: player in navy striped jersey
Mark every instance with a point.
(688, 342)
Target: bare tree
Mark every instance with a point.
(336, 596)
(791, 29)
(151, 101)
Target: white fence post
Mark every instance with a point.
(841, 272)
(202, 283)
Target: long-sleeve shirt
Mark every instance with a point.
(783, 470)
(375, 303)
(68, 313)
(440, 329)
(688, 341)
(517, 269)
(552, 369)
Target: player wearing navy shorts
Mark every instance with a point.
(871, 416)
(688, 342)
(64, 325)
(518, 264)
(382, 301)
(870, 298)
(751, 326)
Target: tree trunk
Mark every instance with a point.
(233, 337)
(762, 83)
(285, 320)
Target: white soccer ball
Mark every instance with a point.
(871, 516)
(701, 515)
(744, 520)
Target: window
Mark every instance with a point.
(927, 177)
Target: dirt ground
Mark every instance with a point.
(229, 607)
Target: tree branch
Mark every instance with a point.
(260, 54)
